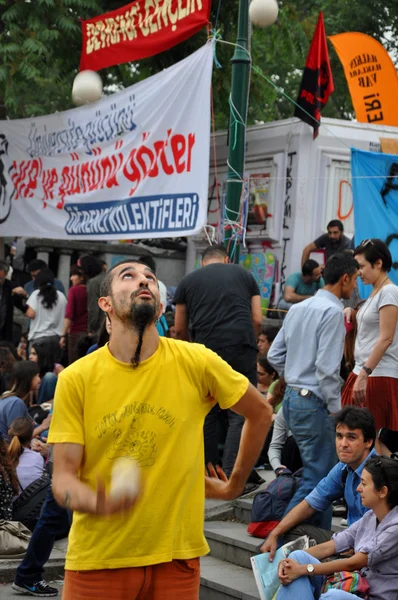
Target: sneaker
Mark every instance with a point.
(40, 589)
(344, 523)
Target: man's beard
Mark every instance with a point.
(142, 315)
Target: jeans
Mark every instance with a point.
(309, 588)
(313, 429)
(54, 523)
(244, 360)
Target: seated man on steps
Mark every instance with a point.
(355, 439)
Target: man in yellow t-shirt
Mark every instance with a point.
(143, 398)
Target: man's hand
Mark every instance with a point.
(359, 389)
(106, 505)
(20, 291)
(270, 545)
(62, 342)
(218, 486)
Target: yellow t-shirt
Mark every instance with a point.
(153, 414)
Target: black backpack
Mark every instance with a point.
(271, 503)
(28, 505)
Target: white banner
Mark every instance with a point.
(133, 165)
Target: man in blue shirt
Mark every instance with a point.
(308, 352)
(300, 286)
(355, 438)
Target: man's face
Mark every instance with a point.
(34, 274)
(3, 276)
(316, 274)
(349, 284)
(351, 448)
(334, 234)
(134, 288)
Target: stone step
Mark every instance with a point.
(229, 541)
(220, 580)
(243, 509)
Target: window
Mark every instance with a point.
(339, 201)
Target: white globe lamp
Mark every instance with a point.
(87, 88)
(263, 13)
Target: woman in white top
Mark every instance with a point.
(374, 380)
(28, 464)
(46, 309)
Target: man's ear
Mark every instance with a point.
(105, 304)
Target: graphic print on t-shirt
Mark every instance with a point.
(128, 436)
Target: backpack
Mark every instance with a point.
(27, 507)
(269, 505)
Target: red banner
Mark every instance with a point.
(140, 29)
(317, 83)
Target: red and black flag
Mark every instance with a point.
(317, 83)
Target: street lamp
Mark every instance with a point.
(262, 13)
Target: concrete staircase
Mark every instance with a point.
(226, 572)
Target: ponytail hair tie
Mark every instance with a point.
(49, 284)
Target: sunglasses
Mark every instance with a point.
(366, 243)
(379, 463)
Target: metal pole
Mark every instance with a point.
(237, 125)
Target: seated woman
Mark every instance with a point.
(283, 452)
(9, 486)
(29, 465)
(267, 376)
(373, 540)
(14, 403)
(42, 353)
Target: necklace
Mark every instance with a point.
(371, 298)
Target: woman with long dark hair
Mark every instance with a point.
(9, 486)
(373, 539)
(374, 379)
(44, 353)
(29, 465)
(14, 403)
(7, 361)
(46, 309)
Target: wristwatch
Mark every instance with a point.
(310, 569)
(367, 370)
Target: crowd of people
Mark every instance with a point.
(208, 384)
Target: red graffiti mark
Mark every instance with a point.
(339, 205)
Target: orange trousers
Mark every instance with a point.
(176, 580)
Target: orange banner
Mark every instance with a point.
(371, 76)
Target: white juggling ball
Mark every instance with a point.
(263, 12)
(87, 87)
(126, 478)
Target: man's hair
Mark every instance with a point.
(338, 265)
(336, 223)
(356, 417)
(37, 265)
(269, 332)
(4, 266)
(216, 251)
(90, 265)
(309, 266)
(375, 250)
(106, 284)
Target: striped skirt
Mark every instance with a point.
(381, 399)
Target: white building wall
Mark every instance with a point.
(307, 177)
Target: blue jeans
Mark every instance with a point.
(54, 523)
(309, 588)
(313, 429)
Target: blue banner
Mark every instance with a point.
(375, 194)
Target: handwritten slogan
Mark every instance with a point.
(132, 165)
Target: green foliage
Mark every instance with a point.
(40, 44)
